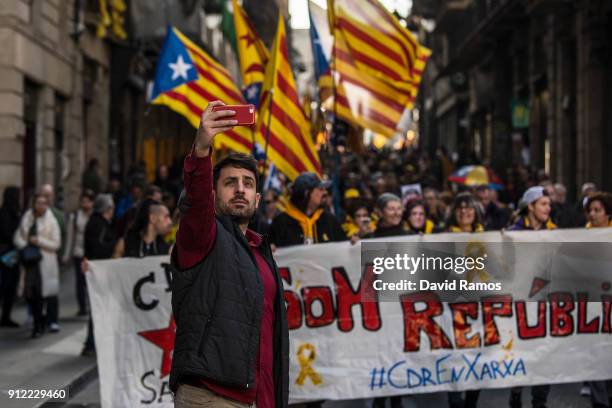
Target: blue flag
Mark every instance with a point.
(321, 62)
(174, 66)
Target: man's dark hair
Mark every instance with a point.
(300, 199)
(237, 160)
(151, 190)
(89, 194)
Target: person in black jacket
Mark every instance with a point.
(232, 339)
(494, 217)
(10, 213)
(146, 236)
(100, 242)
(304, 221)
(391, 210)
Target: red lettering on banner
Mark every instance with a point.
(583, 326)
(461, 326)
(416, 322)
(525, 331)
(606, 304)
(489, 311)
(346, 298)
(292, 302)
(323, 294)
(561, 320)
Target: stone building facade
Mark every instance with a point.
(54, 102)
(524, 81)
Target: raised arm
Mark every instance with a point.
(197, 229)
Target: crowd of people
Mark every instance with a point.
(378, 193)
(39, 241)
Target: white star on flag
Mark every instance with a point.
(251, 92)
(179, 68)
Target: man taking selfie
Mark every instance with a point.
(232, 340)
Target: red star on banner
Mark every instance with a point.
(164, 339)
(537, 285)
(249, 39)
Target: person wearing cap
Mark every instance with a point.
(534, 211)
(232, 339)
(304, 220)
(534, 214)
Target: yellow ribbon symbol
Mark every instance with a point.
(306, 355)
(476, 249)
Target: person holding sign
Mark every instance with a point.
(232, 340)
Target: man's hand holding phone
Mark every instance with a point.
(212, 123)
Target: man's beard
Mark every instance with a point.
(239, 215)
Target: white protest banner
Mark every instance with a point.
(343, 348)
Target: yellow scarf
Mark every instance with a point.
(549, 224)
(589, 225)
(429, 226)
(349, 227)
(454, 228)
(308, 224)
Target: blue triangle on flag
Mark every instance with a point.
(251, 93)
(174, 66)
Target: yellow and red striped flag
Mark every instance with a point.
(362, 99)
(282, 122)
(379, 45)
(187, 79)
(252, 52)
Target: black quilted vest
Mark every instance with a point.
(217, 306)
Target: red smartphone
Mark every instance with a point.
(245, 114)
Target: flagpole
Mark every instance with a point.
(263, 169)
(336, 154)
(253, 149)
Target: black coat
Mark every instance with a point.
(100, 238)
(388, 231)
(217, 306)
(286, 231)
(9, 222)
(495, 218)
(134, 243)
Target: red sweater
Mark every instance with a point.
(194, 241)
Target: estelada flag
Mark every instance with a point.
(187, 79)
(282, 126)
(252, 54)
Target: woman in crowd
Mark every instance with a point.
(465, 215)
(417, 220)
(390, 223)
(75, 246)
(358, 223)
(599, 210)
(39, 238)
